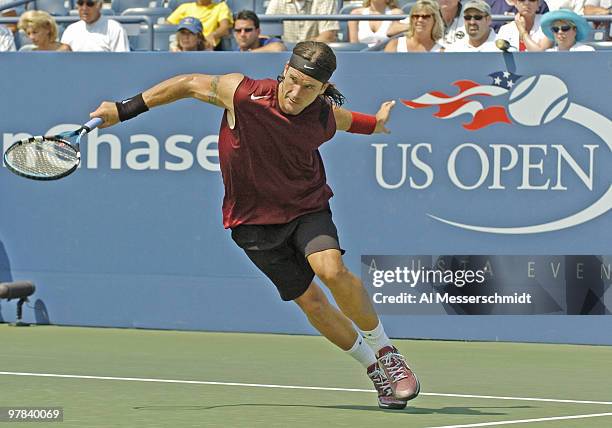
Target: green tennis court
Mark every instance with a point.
(147, 378)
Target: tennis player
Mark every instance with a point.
(276, 199)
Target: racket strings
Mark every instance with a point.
(43, 158)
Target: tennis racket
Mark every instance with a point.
(48, 157)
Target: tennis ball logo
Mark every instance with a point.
(537, 100)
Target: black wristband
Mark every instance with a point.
(131, 107)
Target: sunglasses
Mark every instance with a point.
(531, 1)
(245, 30)
(564, 28)
(89, 3)
(417, 16)
(474, 17)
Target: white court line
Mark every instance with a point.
(524, 421)
(316, 388)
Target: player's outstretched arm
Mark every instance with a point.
(215, 90)
(359, 123)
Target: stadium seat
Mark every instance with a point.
(348, 47)
(271, 28)
(105, 11)
(120, 5)
(173, 4)
(601, 46)
(407, 6)
(598, 35)
(157, 14)
(261, 6)
(403, 3)
(54, 7)
(343, 34)
(238, 5)
(21, 39)
(161, 37)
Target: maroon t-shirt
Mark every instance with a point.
(270, 162)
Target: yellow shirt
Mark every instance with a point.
(210, 15)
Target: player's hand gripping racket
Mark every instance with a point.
(48, 157)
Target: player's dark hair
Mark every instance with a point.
(247, 15)
(322, 56)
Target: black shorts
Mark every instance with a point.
(280, 250)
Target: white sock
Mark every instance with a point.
(377, 338)
(362, 352)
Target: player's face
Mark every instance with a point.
(297, 91)
(89, 10)
(246, 34)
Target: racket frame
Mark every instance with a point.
(56, 139)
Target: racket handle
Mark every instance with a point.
(93, 123)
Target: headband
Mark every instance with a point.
(310, 68)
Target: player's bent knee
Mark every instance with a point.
(313, 302)
(331, 273)
(328, 266)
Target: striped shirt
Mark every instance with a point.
(299, 31)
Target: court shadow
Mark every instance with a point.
(509, 60)
(5, 271)
(221, 406)
(470, 411)
(40, 313)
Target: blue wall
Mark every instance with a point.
(134, 239)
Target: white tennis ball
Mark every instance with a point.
(537, 100)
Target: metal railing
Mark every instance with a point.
(136, 19)
(14, 4)
(347, 17)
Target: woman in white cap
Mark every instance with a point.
(189, 36)
(566, 29)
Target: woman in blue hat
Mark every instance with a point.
(566, 29)
(189, 36)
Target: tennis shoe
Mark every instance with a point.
(386, 400)
(402, 380)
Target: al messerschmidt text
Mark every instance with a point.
(402, 298)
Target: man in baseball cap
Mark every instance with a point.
(481, 38)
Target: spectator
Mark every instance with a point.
(454, 27)
(40, 27)
(11, 13)
(567, 29)
(526, 23)
(216, 18)
(372, 32)
(248, 35)
(575, 5)
(189, 36)
(481, 37)
(598, 7)
(7, 41)
(94, 32)
(506, 7)
(425, 31)
(299, 31)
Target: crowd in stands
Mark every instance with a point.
(431, 26)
